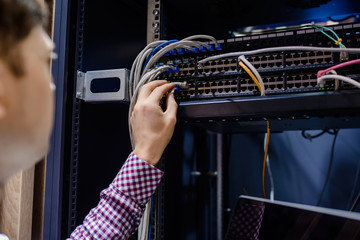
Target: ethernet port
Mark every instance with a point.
(226, 89)
(297, 85)
(234, 89)
(226, 69)
(213, 70)
(313, 84)
(213, 63)
(243, 89)
(290, 85)
(233, 61)
(279, 86)
(297, 62)
(328, 60)
(191, 92)
(208, 63)
(220, 83)
(306, 84)
(257, 59)
(220, 90)
(233, 68)
(312, 61)
(271, 87)
(226, 62)
(207, 91)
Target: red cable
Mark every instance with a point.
(323, 72)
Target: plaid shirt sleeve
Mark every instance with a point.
(122, 204)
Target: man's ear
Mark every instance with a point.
(2, 91)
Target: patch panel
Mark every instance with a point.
(282, 72)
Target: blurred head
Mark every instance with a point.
(26, 90)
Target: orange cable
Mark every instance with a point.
(265, 157)
(250, 74)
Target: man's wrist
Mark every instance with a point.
(147, 156)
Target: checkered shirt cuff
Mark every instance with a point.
(137, 179)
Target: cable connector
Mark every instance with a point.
(181, 85)
(344, 56)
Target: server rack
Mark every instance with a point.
(80, 121)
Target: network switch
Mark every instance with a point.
(282, 72)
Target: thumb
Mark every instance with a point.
(171, 105)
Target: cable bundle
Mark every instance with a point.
(144, 70)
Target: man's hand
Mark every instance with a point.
(152, 127)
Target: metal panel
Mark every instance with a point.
(54, 165)
(75, 123)
(84, 80)
(153, 21)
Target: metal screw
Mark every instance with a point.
(195, 173)
(156, 24)
(79, 74)
(78, 94)
(156, 12)
(212, 174)
(156, 30)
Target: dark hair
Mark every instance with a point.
(17, 19)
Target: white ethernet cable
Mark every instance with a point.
(337, 82)
(257, 75)
(278, 49)
(320, 80)
(170, 47)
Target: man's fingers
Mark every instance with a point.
(159, 92)
(171, 105)
(147, 89)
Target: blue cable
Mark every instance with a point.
(151, 210)
(157, 49)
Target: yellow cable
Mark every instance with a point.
(250, 74)
(265, 157)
